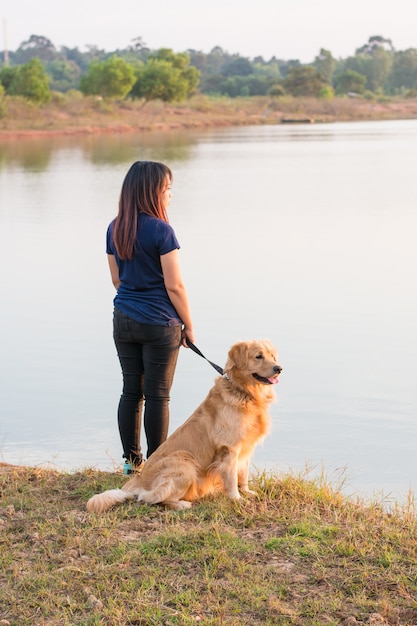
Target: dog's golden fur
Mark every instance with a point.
(211, 451)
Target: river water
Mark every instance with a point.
(303, 234)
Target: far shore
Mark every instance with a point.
(87, 116)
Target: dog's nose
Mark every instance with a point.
(277, 369)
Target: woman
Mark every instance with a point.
(151, 312)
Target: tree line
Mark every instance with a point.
(37, 68)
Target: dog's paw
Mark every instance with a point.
(244, 489)
(183, 504)
(177, 505)
(235, 495)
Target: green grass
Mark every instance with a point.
(296, 553)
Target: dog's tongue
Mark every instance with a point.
(273, 380)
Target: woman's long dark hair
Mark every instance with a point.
(141, 192)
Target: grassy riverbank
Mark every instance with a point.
(298, 553)
(74, 114)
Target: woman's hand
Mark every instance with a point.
(187, 333)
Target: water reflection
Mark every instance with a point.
(175, 146)
(35, 154)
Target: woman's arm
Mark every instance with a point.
(177, 293)
(114, 270)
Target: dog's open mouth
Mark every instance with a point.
(273, 380)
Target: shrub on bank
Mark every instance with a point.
(29, 81)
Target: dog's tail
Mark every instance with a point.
(102, 502)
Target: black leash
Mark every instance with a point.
(197, 351)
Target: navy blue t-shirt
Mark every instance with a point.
(142, 294)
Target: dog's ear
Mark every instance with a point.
(238, 356)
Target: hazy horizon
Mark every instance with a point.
(296, 30)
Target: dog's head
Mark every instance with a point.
(253, 363)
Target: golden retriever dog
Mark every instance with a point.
(211, 451)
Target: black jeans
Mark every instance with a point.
(148, 356)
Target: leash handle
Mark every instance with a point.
(197, 351)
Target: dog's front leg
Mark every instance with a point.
(243, 476)
(226, 466)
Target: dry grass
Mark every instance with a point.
(74, 114)
(298, 553)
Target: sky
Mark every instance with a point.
(286, 29)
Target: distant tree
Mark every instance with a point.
(198, 59)
(74, 55)
(178, 60)
(218, 66)
(239, 66)
(303, 81)
(373, 60)
(286, 66)
(35, 47)
(63, 75)
(258, 85)
(166, 76)
(94, 53)
(29, 81)
(211, 83)
(277, 90)
(269, 70)
(7, 76)
(234, 86)
(350, 81)
(376, 73)
(359, 64)
(379, 70)
(137, 44)
(137, 50)
(112, 78)
(404, 70)
(325, 65)
(241, 77)
(375, 42)
(216, 59)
